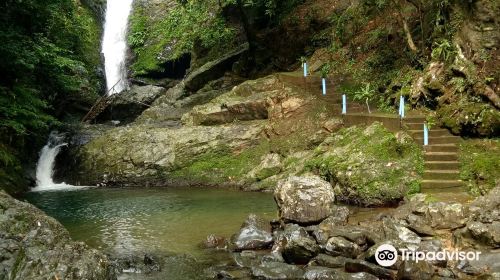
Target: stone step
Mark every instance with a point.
(442, 165)
(440, 156)
(414, 125)
(441, 148)
(432, 133)
(438, 140)
(441, 175)
(436, 185)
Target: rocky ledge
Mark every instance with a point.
(327, 245)
(35, 246)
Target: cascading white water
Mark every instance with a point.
(46, 163)
(114, 44)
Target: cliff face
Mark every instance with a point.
(35, 246)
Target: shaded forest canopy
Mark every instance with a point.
(49, 68)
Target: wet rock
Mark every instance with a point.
(357, 234)
(488, 234)
(270, 165)
(248, 258)
(296, 246)
(254, 234)
(433, 245)
(364, 266)
(215, 242)
(340, 216)
(35, 246)
(339, 246)
(421, 270)
(304, 200)
(277, 270)
(394, 230)
(446, 216)
(323, 273)
(328, 261)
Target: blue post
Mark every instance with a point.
(344, 104)
(401, 106)
(324, 86)
(305, 69)
(426, 135)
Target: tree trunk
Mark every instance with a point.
(402, 20)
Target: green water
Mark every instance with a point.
(136, 221)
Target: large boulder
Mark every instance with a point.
(127, 105)
(304, 200)
(369, 166)
(35, 246)
(254, 234)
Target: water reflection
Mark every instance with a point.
(128, 221)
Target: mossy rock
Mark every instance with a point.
(369, 166)
(480, 164)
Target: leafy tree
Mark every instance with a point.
(46, 64)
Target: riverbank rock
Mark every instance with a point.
(254, 234)
(304, 200)
(368, 165)
(295, 245)
(35, 246)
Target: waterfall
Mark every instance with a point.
(114, 44)
(46, 163)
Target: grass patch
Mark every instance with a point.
(480, 165)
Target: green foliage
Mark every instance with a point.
(156, 40)
(325, 70)
(443, 50)
(49, 56)
(479, 165)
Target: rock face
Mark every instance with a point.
(141, 154)
(35, 246)
(304, 200)
(369, 166)
(269, 166)
(213, 69)
(129, 104)
(263, 98)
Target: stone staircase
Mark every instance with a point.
(312, 84)
(442, 168)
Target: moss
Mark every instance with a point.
(222, 165)
(480, 165)
(370, 163)
(470, 118)
(158, 39)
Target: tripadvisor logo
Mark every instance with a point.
(386, 255)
